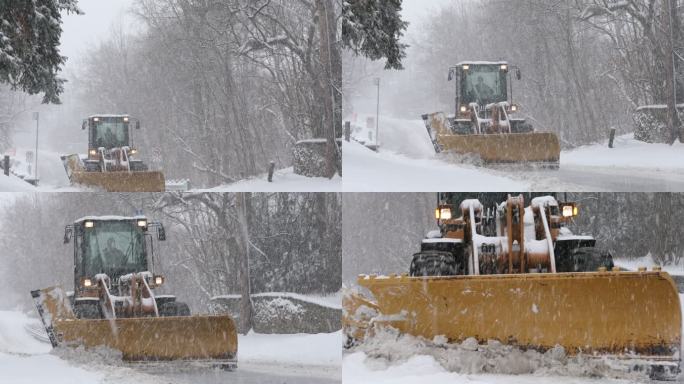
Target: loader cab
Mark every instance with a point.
(482, 83)
(109, 132)
(111, 245)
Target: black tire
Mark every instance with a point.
(175, 308)
(87, 310)
(583, 259)
(433, 263)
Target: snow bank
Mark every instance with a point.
(14, 338)
(648, 262)
(12, 183)
(319, 349)
(368, 171)
(627, 153)
(331, 301)
(284, 180)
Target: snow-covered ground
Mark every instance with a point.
(323, 349)
(261, 359)
(628, 153)
(406, 162)
(284, 180)
(53, 178)
(386, 171)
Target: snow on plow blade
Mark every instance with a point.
(623, 314)
(139, 181)
(533, 148)
(205, 339)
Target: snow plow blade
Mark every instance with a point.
(139, 181)
(210, 340)
(629, 315)
(531, 148)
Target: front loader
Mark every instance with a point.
(517, 274)
(486, 123)
(114, 305)
(111, 162)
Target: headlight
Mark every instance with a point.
(87, 283)
(504, 67)
(125, 119)
(96, 119)
(89, 224)
(466, 67)
(567, 211)
(142, 223)
(159, 280)
(93, 152)
(445, 213)
(514, 108)
(134, 151)
(464, 109)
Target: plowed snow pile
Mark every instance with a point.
(389, 357)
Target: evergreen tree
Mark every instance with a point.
(29, 45)
(373, 28)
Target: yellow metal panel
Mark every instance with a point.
(148, 181)
(609, 312)
(505, 148)
(212, 338)
(156, 338)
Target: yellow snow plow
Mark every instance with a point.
(205, 339)
(114, 305)
(113, 181)
(111, 162)
(486, 123)
(540, 149)
(515, 274)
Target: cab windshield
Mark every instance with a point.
(110, 132)
(115, 248)
(484, 84)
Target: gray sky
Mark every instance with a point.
(82, 31)
(415, 11)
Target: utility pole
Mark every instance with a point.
(377, 114)
(671, 71)
(36, 117)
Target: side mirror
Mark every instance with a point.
(451, 75)
(517, 74)
(161, 233)
(85, 124)
(68, 232)
(137, 124)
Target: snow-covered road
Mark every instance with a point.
(407, 163)
(267, 359)
(53, 178)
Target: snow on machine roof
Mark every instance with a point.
(481, 63)
(110, 218)
(108, 115)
